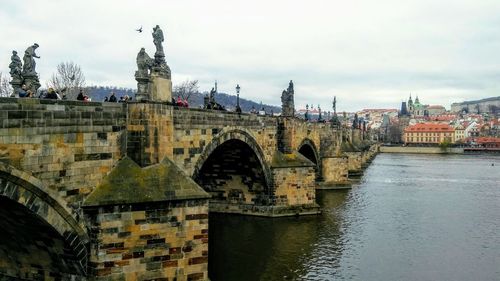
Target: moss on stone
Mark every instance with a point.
(129, 183)
(349, 147)
(294, 159)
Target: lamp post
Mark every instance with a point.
(238, 108)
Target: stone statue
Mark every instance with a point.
(29, 60)
(355, 122)
(334, 104)
(287, 104)
(212, 95)
(142, 75)
(16, 66)
(159, 64)
(144, 64)
(158, 40)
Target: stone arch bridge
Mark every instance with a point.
(107, 190)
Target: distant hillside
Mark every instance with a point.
(98, 93)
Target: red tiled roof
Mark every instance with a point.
(429, 127)
(380, 109)
(442, 117)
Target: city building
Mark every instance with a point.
(459, 133)
(434, 110)
(471, 129)
(416, 108)
(428, 133)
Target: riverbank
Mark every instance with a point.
(421, 150)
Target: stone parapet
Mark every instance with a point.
(68, 145)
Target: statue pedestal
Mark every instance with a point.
(160, 88)
(16, 85)
(32, 82)
(142, 87)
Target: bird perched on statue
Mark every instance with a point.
(139, 30)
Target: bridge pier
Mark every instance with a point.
(147, 224)
(335, 173)
(294, 180)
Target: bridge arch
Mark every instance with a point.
(308, 149)
(234, 158)
(39, 233)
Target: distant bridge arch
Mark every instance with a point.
(309, 150)
(232, 167)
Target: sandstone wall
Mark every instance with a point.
(294, 186)
(195, 129)
(68, 145)
(156, 241)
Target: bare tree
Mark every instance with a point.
(186, 89)
(5, 88)
(69, 78)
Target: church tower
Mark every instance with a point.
(410, 106)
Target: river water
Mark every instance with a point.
(412, 217)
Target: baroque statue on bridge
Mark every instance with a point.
(160, 65)
(287, 103)
(29, 60)
(16, 66)
(24, 73)
(158, 40)
(144, 64)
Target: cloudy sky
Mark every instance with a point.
(370, 54)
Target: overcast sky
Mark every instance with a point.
(370, 54)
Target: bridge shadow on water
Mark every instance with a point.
(255, 248)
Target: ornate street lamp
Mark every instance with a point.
(238, 108)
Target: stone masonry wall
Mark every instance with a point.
(156, 241)
(149, 132)
(194, 129)
(294, 186)
(68, 145)
(335, 170)
(305, 130)
(354, 163)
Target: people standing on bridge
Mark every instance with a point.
(51, 94)
(112, 98)
(80, 96)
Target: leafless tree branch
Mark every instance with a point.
(5, 88)
(186, 89)
(69, 77)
